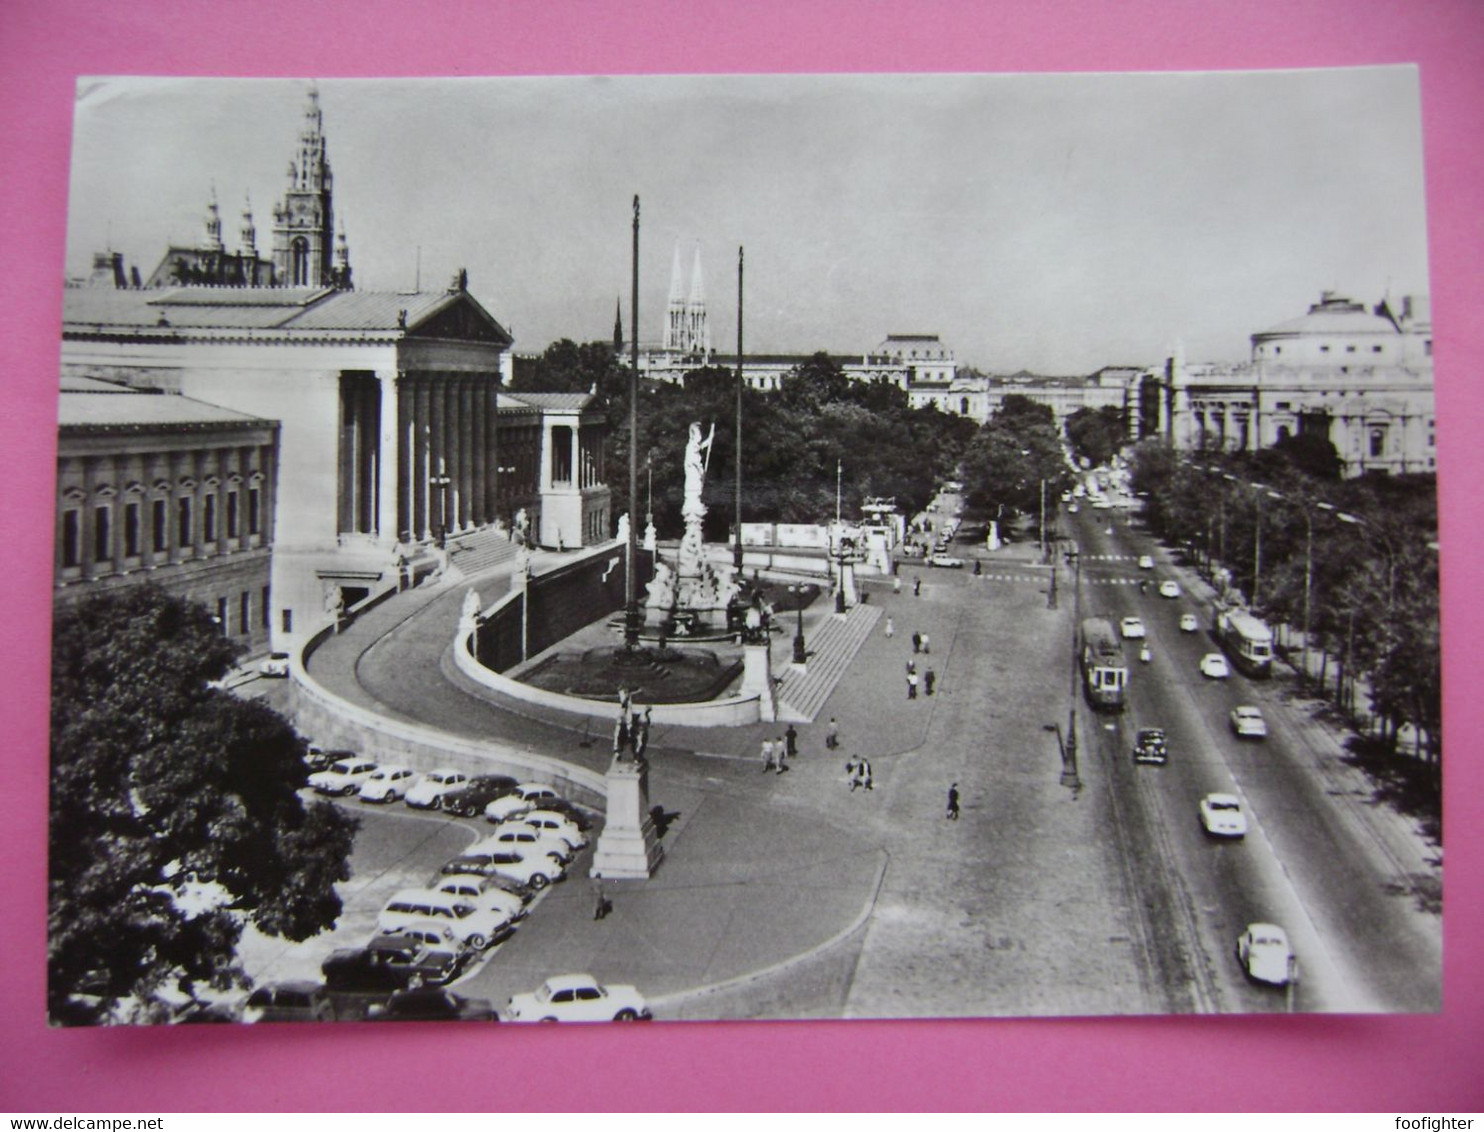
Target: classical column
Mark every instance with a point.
(548, 456)
(576, 456)
(388, 459)
(420, 437)
(479, 421)
(466, 453)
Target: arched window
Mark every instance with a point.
(1378, 442)
(963, 406)
(1283, 433)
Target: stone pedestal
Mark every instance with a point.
(628, 847)
(847, 583)
(757, 679)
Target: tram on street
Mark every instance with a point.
(1104, 670)
(1247, 640)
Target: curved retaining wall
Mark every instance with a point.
(730, 712)
(336, 722)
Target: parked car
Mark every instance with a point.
(479, 928)
(470, 799)
(317, 758)
(558, 825)
(388, 784)
(388, 963)
(483, 892)
(526, 796)
(1132, 629)
(1149, 746)
(433, 1004)
(277, 665)
(1214, 665)
(345, 776)
(1146, 562)
(535, 873)
(577, 998)
(569, 810)
(1265, 955)
(516, 835)
(1169, 588)
(428, 794)
(1222, 816)
(1188, 623)
(1248, 723)
(295, 1001)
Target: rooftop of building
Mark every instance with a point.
(1336, 314)
(101, 410)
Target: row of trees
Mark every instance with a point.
(1013, 458)
(792, 438)
(175, 817)
(1358, 553)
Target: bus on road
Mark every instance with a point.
(1104, 671)
(1247, 640)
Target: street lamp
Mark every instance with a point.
(798, 591)
(441, 482)
(1069, 776)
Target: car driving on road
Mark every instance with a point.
(1169, 588)
(1248, 723)
(1265, 955)
(1149, 746)
(1132, 629)
(1222, 816)
(1188, 623)
(1214, 665)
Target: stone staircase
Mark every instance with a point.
(478, 551)
(831, 649)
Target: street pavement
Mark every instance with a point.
(790, 895)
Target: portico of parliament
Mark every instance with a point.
(255, 434)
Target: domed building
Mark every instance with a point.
(1360, 377)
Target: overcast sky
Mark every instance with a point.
(1056, 223)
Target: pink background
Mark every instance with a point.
(1398, 1063)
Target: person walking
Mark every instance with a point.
(791, 742)
(916, 585)
(863, 772)
(768, 763)
(896, 585)
(891, 630)
(952, 814)
(929, 678)
(927, 644)
(780, 753)
(916, 642)
(912, 685)
(852, 773)
(832, 735)
(601, 904)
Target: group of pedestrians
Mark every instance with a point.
(858, 774)
(777, 752)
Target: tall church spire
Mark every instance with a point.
(213, 225)
(248, 234)
(304, 252)
(618, 326)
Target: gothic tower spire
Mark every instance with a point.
(304, 223)
(213, 225)
(248, 234)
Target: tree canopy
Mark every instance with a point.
(1011, 455)
(1097, 435)
(175, 816)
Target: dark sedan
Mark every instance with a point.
(469, 801)
(433, 1004)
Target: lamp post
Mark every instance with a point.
(737, 475)
(1069, 776)
(631, 620)
(441, 482)
(799, 653)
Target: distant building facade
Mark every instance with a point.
(1361, 378)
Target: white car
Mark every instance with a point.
(535, 870)
(1132, 629)
(1222, 816)
(947, 561)
(1188, 623)
(524, 839)
(345, 777)
(578, 998)
(1072, 509)
(1146, 562)
(1214, 665)
(1248, 722)
(479, 927)
(277, 664)
(1169, 588)
(483, 892)
(558, 825)
(526, 796)
(388, 784)
(1264, 954)
(428, 794)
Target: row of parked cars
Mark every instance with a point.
(428, 937)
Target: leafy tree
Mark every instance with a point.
(1017, 450)
(1097, 435)
(174, 813)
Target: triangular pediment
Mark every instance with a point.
(462, 319)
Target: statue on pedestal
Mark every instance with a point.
(469, 614)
